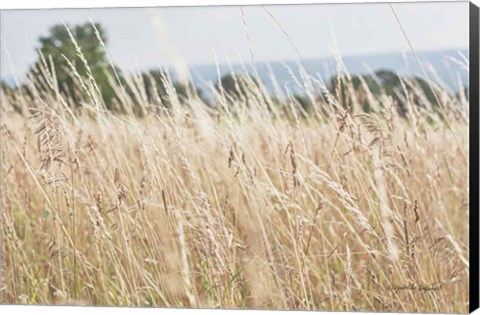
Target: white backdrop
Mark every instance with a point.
(19, 4)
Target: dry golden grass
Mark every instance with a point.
(236, 205)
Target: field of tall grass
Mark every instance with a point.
(247, 202)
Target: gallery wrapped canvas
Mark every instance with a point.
(280, 157)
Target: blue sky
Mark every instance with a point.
(141, 38)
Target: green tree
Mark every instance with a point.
(8, 94)
(237, 86)
(155, 87)
(58, 45)
(388, 83)
(304, 102)
(463, 93)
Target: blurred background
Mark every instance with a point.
(204, 43)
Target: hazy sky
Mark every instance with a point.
(141, 38)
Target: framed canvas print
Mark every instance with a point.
(300, 157)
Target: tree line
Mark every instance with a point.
(66, 60)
